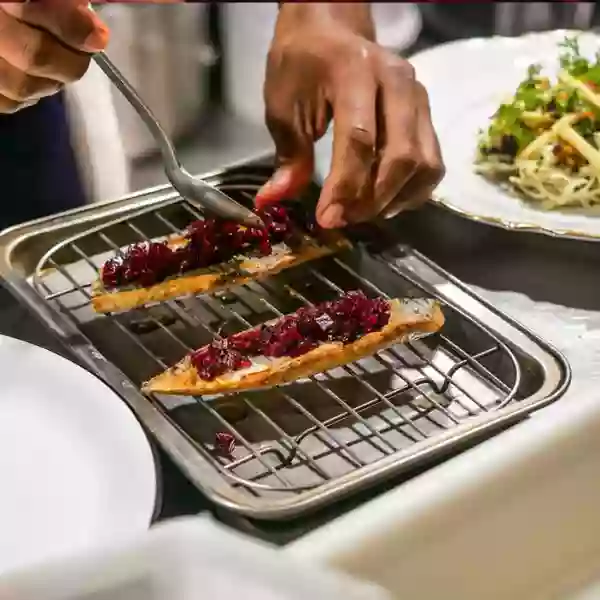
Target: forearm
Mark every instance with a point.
(354, 15)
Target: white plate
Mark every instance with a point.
(466, 81)
(76, 468)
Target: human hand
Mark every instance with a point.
(43, 45)
(323, 62)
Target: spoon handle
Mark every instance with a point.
(194, 190)
(162, 139)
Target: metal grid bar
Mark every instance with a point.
(245, 324)
(469, 359)
(351, 430)
(348, 410)
(238, 435)
(297, 450)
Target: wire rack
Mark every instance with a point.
(307, 442)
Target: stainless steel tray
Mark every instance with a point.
(303, 445)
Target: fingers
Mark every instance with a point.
(295, 154)
(36, 52)
(72, 22)
(288, 182)
(290, 123)
(8, 106)
(408, 164)
(430, 166)
(33, 62)
(385, 157)
(20, 87)
(400, 154)
(354, 149)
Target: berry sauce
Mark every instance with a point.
(345, 319)
(207, 242)
(224, 443)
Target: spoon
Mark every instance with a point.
(196, 191)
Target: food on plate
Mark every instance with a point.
(212, 254)
(544, 142)
(311, 340)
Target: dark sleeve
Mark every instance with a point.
(38, 171)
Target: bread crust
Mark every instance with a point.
(407, 319)
(104, 301)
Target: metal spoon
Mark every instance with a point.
(194, 190)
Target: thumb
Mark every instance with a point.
(288, 181)
(73, 22)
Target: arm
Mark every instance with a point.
(354, 15)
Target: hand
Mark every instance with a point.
(323, 61)
(43, 45)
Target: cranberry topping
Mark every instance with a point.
(224, 443)
(209, 242)
(111, 273)
(218, 358)
(146, 263)
(343, 320)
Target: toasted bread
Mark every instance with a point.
(218, 278)
(408, 319)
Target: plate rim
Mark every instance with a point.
(498, 222)
(157, 485)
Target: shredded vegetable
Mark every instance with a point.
(545, 140)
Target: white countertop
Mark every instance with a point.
(513, 518)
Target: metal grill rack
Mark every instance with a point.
(304, 444)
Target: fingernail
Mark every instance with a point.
(333, 217)
(279, 179)
(97, 40)
(265, 189)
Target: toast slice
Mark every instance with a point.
(219, 277)
(409, 319)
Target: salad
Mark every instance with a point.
(544, 141)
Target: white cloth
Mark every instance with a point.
(574, 332)
(96, 137)
(186, 559)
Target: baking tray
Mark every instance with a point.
(305, 445)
